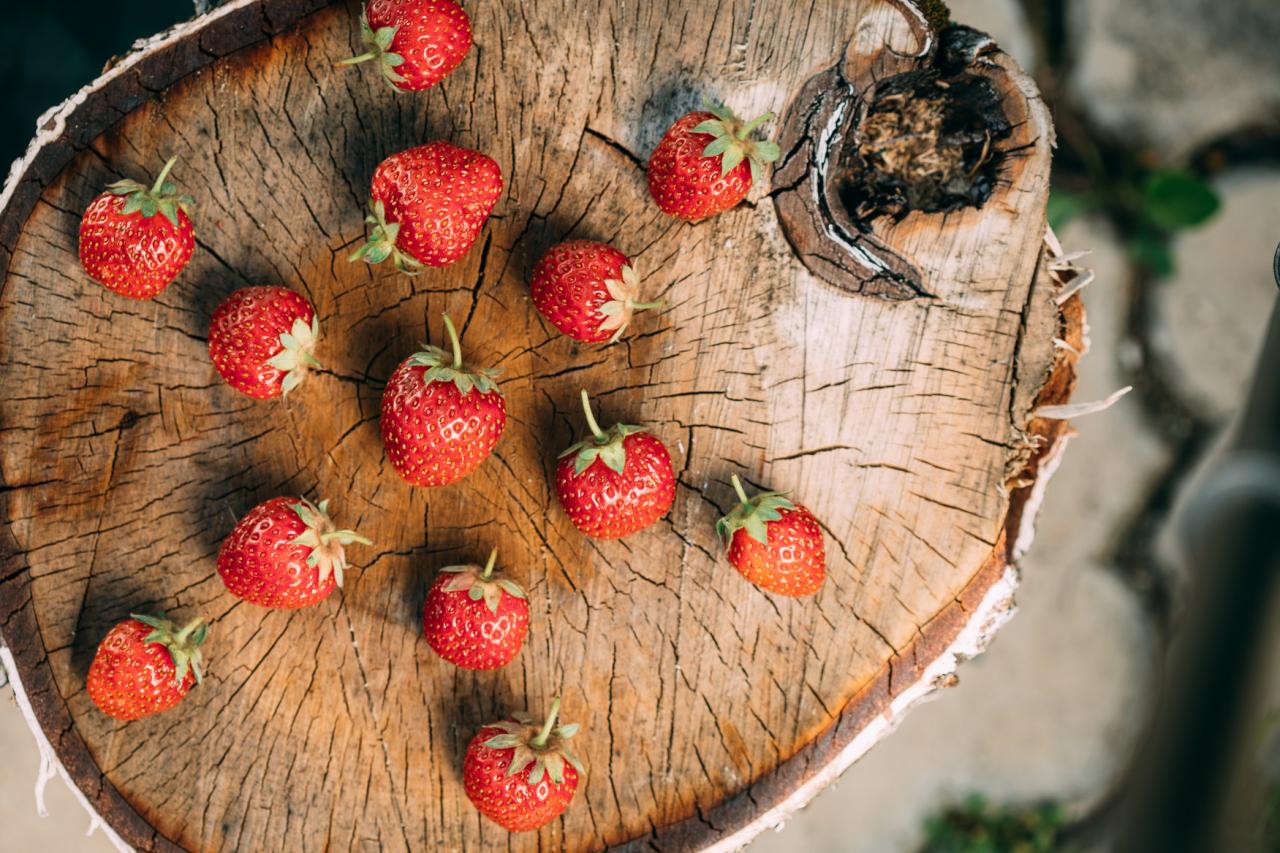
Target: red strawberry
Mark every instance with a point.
(428, 205)
(706, 163)
(587, 290)
(262, 338)
(473, 619)
(774, 543)
(615, 482)
(440, 418)
(146, 665)
(417, 42)
(286, 553)
(135, 240)
(521, 776)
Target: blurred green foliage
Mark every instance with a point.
(1271, 821)
(1150, 207)
(977, 827)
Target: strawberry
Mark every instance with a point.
(286, 553)
(440, 419)
(417, 43)
(135, 240)
(146, 665)
(706, 163)
(521, 776)
(587, 290)
(617, 482)
(428, 205)
(261, 340)
(474, 619)
(774, 543)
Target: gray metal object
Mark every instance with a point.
(1194, 780)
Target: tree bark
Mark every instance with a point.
(893, 396)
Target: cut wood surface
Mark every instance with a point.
(896, 405)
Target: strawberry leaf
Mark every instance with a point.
(159, 198)
(768, 151)
(585, 458)
(615, 456)
(722, 112)
(523, 757)
(182, 644)
(511, 588)
(383, 36)
(554, 763)
(752, 514)
(461, 582)
(448, 367)
(492, 596)
(717, 146)
(381, 243)
(731, 159)
(573, 759)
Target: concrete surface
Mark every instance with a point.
(1003, 20)
(21, 829)
(1213, 313)
(1175, 74)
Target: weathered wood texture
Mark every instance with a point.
(903, 424)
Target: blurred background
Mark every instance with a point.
(1168, 173)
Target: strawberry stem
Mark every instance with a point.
(488, 566)
(453, 342)
(356, 60)
(737, 487)
(541, 740)
(164, 174)
(591, 419)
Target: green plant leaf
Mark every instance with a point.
(1178, 199)
(1065, 206)
(1152, 251)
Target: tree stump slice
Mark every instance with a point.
(895, 401)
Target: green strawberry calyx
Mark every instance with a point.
(297, 348)
(542, 750)
(752, 514)
(623, 293)
(733, 141)
(444, 366)
(379, 43)
(183, 643)
(480, 583)
(381, 243)
(161, 197)
(605, 445)
(324, 539)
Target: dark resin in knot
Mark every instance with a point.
(928, 139)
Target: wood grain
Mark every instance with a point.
(903, 424)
